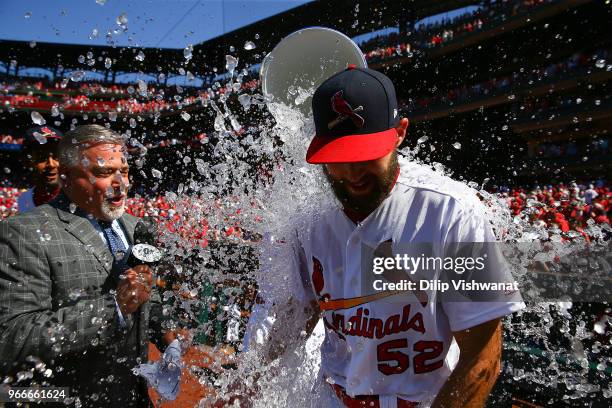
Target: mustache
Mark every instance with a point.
(112, 193)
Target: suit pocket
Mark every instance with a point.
(76, 278)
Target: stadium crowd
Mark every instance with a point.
(10, 139)
(577, 64)
(85, 88)
(562, 207)
(566, 206)
(435, 34)
(94, 97)
(595, 147)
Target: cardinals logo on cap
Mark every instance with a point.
(345, 111)
(47, 132)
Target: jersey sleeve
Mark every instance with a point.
(472, 226)
(285, 304)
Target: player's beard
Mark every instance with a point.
(382, 185)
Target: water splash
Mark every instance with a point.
(37, 118)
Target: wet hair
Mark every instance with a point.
(82, 137)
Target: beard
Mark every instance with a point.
(112, 213)
(109, 211)
(381, 187)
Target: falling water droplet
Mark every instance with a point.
(230, 64)
(142, 87)
(37, 118)
(77, 76)
(188, 52)
(249, 45)
(245, 101)
(122, 20)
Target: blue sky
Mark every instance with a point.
(151, 23)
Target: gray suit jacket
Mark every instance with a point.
(56, 304)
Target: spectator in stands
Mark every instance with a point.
(8, 201)
(40, 155)
(590, 194)
(67, 295)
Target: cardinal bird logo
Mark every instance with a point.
(317, 275)
(47, 132)
(344, 111)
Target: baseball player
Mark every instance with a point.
(378, 353)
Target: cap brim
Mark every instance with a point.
(34, 142)
(352, 148)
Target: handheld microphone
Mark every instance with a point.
(144, 250)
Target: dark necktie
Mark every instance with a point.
(118, 249)
(116, 245)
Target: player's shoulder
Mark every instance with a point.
(435, 188)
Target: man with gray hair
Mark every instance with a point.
(70, 306)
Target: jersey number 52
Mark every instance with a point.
(393, 361)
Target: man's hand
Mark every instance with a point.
(479, 364)
(134, 289)
(183, 336)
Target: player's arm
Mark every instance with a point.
(479, 364)
(288, 336)
(282, 319)
(280, 338)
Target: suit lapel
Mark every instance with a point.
(82, 229)
(128, 224)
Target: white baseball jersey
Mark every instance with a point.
(390, 349)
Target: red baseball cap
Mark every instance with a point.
(40, 135)
(355, 114)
